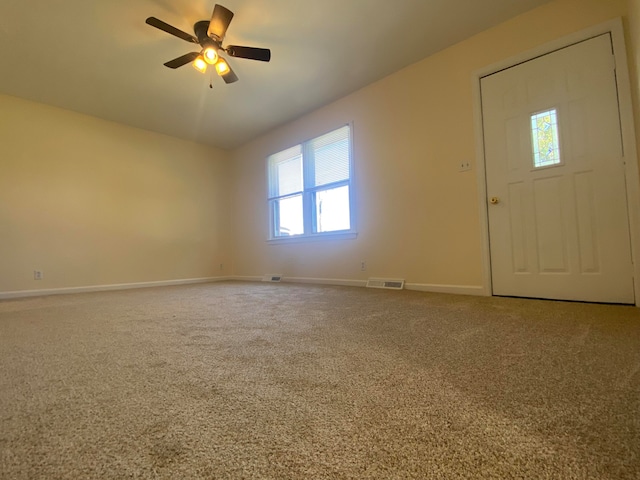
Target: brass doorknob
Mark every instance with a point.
(494, 200)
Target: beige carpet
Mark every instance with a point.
(282, 381)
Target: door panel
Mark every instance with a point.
(587, 234)
(550, 225)
(553, 153)
(518, 230)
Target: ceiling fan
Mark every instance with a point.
(209, 34)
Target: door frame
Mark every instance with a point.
(632, 175)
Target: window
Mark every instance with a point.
(544, 134)
(310, 188)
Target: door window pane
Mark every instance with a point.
(544, 133)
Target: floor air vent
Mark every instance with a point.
(392, 284)
(271, 278)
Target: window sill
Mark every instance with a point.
(313, 238)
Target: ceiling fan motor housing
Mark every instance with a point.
(200, 28)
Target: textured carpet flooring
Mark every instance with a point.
(282, 381)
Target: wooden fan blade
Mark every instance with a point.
(165, 27)
(183, 60)
(230, 76)
(220, 21)
(252, 53)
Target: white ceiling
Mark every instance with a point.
(100, 58)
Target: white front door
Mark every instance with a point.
(558, 222)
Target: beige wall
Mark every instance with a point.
(632, 29)
(418, 216)
(91, 202)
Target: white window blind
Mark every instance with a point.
(331, 157)
(286, 172)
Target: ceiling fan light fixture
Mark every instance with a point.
(199, 64)
(222, 67)
(210, 55)
(209, 34)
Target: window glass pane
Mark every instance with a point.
(544, 132)
(288, 216)
(332, 209)
(285, 172)
(331, 157)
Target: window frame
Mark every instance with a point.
(308, 193)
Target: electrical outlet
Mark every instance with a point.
(464, 165)
(37, 274)
(363, 266)
(220, 266)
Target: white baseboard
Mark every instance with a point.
(317, 281)
(102, 288)
(422, 287)
(455, 289)
(326, 281)
(246, 278)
